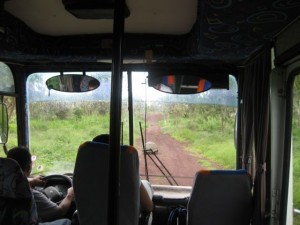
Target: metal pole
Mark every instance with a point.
(115, 114)
(144, 151)
(130, 107)
(145, 111)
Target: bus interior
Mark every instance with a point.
(196, 87)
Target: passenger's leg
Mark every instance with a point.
(58, 222)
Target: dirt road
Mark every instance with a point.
(181, 164)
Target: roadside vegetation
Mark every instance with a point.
(208, 130)
(57, 128)
(296, 149)
(296, 170)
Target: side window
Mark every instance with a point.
(295, 167)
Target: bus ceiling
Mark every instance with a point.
(223, 34)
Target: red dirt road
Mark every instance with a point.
(181, 164)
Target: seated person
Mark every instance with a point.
(46, 209)
(145, 199)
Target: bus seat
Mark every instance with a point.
(146, 218)
(16, 199)
(220, 197)
(91, 181)
(148, 188)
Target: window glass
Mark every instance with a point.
(295, 159)
(59, 122)
(7, 81)
(183, 133)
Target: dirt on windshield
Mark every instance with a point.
(172, 159)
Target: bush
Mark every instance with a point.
(78, 112)
(63, 114)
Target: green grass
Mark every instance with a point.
(296, 219)
(59, 139)
(206, 136)
(296, 166)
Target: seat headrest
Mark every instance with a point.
(13, 183)
(91, 183)
(226, 193)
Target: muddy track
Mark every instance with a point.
(172, 154)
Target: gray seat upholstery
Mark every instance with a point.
(17, 206)
(90, 182)
(220, 197)
(147, 218)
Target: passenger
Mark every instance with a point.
(103, 138)
(88, 83)
(145, 196)
(46, 209)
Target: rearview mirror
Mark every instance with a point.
(72, 83)
(179, 84)
(3, 124)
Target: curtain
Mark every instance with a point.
(255, 125)
(246, 87)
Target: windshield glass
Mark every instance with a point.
(183, 133)
(175, 135)
(59, 122)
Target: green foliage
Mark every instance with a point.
(13, 126)
(296, 219)
(205, 128)
(296, 145)
(208, 130)
(296, 166)
(57, 132)
(62, 138)
(78, 112)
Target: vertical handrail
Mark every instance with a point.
(144, 150)
(115, 114)
(130, 107)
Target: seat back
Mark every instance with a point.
(221, 197)
(91, 183)
(146, 218)
(17, 206)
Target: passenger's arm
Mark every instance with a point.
(35, 181)
(146, 202)
(65, 204)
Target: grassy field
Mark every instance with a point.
(207, 132)
(57, 131)
(296, 170)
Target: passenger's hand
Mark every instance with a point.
(35, 181)
(70, 193)
(66, 203)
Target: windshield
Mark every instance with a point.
(175, 135)
(59, 122)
